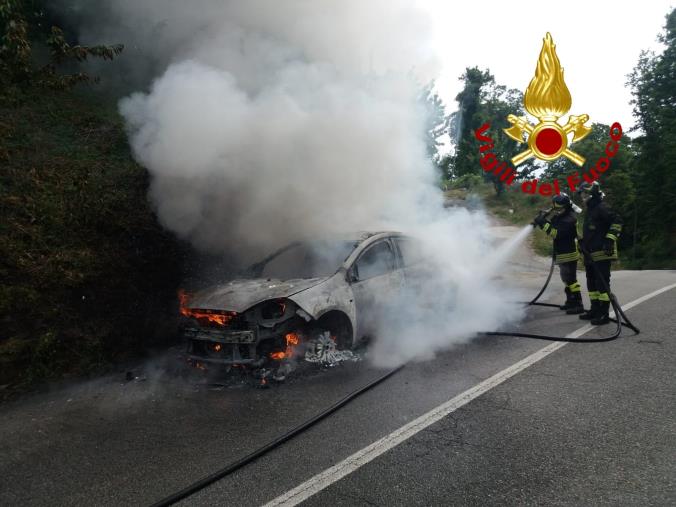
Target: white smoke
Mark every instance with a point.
(310, 152)
(275, 120)
(460, 295)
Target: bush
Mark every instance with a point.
(469, 181)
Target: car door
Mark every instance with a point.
(376, 281)
(423, 282)
(414, 269)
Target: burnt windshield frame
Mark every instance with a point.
(256, 269)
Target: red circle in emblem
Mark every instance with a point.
(548, 141)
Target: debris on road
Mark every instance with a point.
(323, 350)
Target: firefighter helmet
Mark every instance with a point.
(588, 190)
(562, 201)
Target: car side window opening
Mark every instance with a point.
(410, 251)
(376, 261)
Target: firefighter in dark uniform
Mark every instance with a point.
(600, 232)
(562, 228)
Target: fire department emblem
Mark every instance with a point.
(548, 99)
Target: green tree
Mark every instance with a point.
(23, 27)
(482, 101)
(467, 119)
(653, 84)
(436, 122)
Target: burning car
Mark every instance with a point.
(318, 291)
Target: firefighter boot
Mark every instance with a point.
(592, 312)
(576, 304)
(602, 315)
(568, 302)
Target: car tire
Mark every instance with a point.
(339, 325)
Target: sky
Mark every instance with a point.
(598, 44)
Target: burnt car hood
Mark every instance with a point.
(240, 295)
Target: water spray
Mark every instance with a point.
(497, 258)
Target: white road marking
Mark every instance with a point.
(324, 479)
(647, 297)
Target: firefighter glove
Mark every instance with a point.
(540, 220)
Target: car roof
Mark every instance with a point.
(355, 236)
(361, 240)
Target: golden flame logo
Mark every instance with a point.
(547, 95)
(548, 98)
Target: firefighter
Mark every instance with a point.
(562, 228)
(600, 232)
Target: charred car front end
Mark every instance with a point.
(273, 308)
(280, 306)
(252, 337)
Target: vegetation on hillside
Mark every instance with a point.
(653, 84)
(87, 273)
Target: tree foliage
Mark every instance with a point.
(436, 122)
(23, 29)
(87, 275)
(467, 119)
(653, 84)
(481, 101)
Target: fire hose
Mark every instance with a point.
(210, 479)
(621, 320)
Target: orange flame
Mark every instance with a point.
(199, 366)
(292, 340)
(217, 317)
(547, 96)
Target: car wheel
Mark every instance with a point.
(339, 326)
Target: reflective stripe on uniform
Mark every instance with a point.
(602, 256)
(611, 236)
(567, 257)
(593, 295)
(574, 287)
(603, 296)
(549, 229)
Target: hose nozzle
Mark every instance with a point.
(541, 214)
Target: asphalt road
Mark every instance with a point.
(586, 424)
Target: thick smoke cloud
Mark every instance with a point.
(274, 120)
(310, 153)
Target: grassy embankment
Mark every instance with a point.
(515, 207)
(512, 206)
(88, 275)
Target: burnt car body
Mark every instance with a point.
(300, 290)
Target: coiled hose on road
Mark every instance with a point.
(621, 320)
